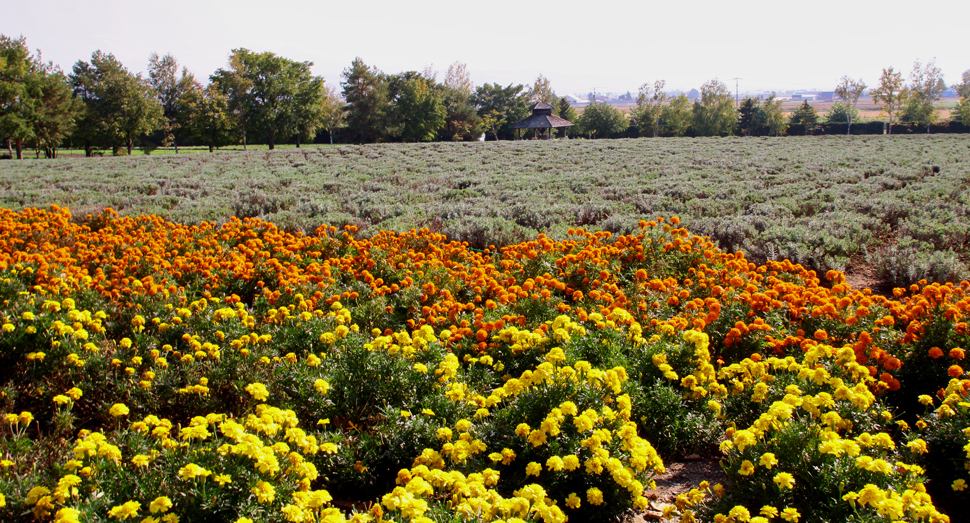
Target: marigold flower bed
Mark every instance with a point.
(153, 371)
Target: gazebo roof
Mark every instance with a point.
(542, 118)
(542, 121)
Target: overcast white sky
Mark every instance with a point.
(579, 46)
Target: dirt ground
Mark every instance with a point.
(681, 476)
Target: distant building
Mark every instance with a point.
(825, 96)
(807, 97)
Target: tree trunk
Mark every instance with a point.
(211, 148)
(176, 145)
(298, 140)
(272, 141)
(20, 148)
(87, 151)
(128, 145)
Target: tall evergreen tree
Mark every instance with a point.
(366, 96)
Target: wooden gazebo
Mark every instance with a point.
(543, 121)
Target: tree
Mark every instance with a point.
(805, 116)
(890, 93)
(54, 108)
(676, 117)
(925, 89)
(841, 112)
(458, 79)
(962, 109)
(714, 114)
(650, 103)
(774, 116)
(602, 120)
(120, 107)
(418, 106)
(461, 120)
(748, 117)
(367, 100)
(15, 68)
(332, 111)
(849, 91)
(309, 106)
(541, 91)
(264, 90)
(170, 90)
(501, 106)
(210, 120)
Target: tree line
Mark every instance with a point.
(260, 97)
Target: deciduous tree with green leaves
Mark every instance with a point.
(650, 103)
(849, 91)
(54, 108)
(461, 120)
(601, 120)
(962, 109)
(676, 116)
(419, 107)
(265, 89)
(120, 107)
(500, 107)
(891, 94)
(16, 67)
(210, 120)
(170, 89)
(714, 114)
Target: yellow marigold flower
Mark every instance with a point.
(61, 399)
(747, 468)
(264, 492)
(790, 514)
(522, 429)
(926, 399)
(405, 414)
(192, 471)
(594, 496)
(533, 469)
(74, 393)
(64, 515)
(918, 445)
(769, 512)
(573, 501)
(161, 504)
(141, 460)
(125, 511)
(222, 479)
(768, 460)
(26, 418)
(555, 463)
(959, 485)
(784, 480)
(740, 513)
(257, 391)
(118, 409)
(321, 386)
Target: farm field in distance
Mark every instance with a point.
(888, 209)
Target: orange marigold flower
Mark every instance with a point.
(955, 371)
(936, 352)
(821, 335)
(957, 353)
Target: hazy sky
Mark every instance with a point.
(579, 46)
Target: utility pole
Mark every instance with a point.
(737, 100)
